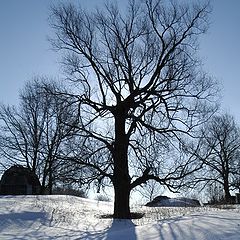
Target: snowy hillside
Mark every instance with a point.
(66, 217)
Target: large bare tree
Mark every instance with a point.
(139, 86)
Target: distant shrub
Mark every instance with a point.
(222, 201)
(70, 191)
(103, 198)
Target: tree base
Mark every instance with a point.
(133, 215)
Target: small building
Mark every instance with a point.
(19, 180)
(164, 201)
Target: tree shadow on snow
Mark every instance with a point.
(22, 218)
(121, 229)
(196, 226)
(118, 230)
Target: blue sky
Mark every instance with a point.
(25, 51)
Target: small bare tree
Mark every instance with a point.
(150, 191)
(139, 87)
(21, 130)
(222, 138)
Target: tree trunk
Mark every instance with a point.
(122, 179)
(227, 194)
(44, 180)
(50, 181)
(43, 188)
(50, 174)
(121, 201)
(225, 175)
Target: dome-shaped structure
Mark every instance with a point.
(19, 180)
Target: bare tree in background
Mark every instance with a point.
(222, 138)
(21, 130)
(236, 180)
(33, 135)
(139, 87)
(150, 190)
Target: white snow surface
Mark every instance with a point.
(68, 217)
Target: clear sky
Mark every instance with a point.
(25, 51)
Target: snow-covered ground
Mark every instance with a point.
(67, 217)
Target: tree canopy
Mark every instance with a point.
(139, 86)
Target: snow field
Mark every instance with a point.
(68, 217)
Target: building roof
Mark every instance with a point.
(19, 175)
